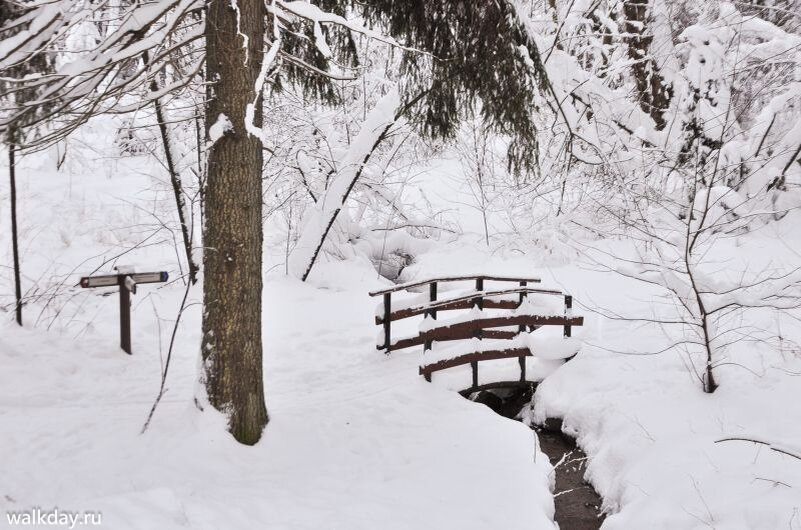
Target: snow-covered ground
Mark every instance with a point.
(357, 439)
(648, 429)
(654, 439)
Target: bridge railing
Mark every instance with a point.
(503, 331)
(492, 343)
(388, 312)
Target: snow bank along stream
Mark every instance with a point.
(578, 505)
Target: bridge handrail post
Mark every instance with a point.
(387, 322)
(520, 329)
(474, 369)
(432, 297)
(479, 301)
(568, 313)
(522, 297)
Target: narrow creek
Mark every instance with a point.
(578, 505)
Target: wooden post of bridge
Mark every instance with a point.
(387, 321)
(479, 300)
(432, 297)
(522, 359)
(127, 280)
(568, 313)
(479, 303)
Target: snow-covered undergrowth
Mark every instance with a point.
(657, 444)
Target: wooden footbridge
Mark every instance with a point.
(494, 322)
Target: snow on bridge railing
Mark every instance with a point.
(478, 335)
(496, 299)
(476, 277)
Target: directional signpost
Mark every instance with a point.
(127, 280)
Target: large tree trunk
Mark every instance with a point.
(232, 285)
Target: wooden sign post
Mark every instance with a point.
(127, 281)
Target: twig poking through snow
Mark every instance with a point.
(770, 446)
(166, 368)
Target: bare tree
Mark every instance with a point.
(175, 180)
(477, 156)
(678, 250)
(12, 169)
(38, 63)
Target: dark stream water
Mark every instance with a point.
(578, 505)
